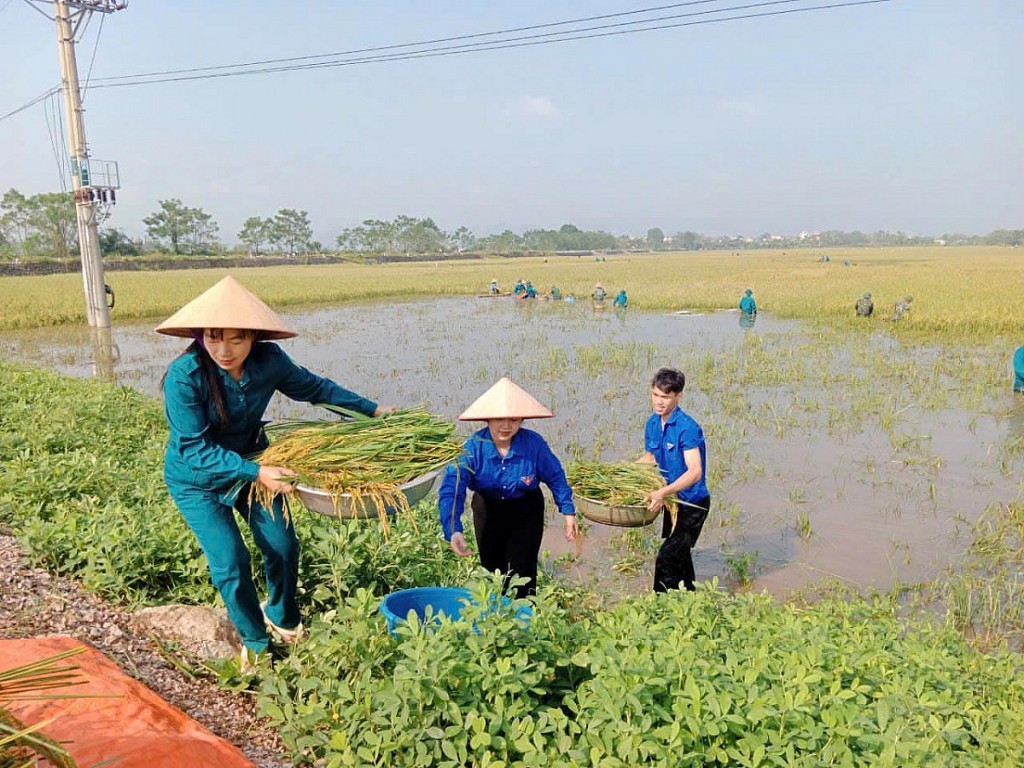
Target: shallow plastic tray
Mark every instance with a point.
(622, 516)
(341, 505)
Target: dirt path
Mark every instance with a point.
(34, 603)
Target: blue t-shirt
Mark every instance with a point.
(1018, 370)
(680, 433)
(528, 463)
(203, 454)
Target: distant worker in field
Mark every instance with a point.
(599, 294)
(621, 300)
(520, 287)
(864, 306)
(747, 304)
(529, 292)
(493, 290)
(1018, 370)
(901, 308)
(554, 294)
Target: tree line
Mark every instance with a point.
(44, 226)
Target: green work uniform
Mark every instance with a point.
(204, 462)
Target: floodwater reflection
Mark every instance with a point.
(809, 483)
(105, 354)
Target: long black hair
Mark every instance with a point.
(213, 382)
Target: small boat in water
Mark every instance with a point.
(493, 295)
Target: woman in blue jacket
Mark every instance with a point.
(215, 396)
(504, 465)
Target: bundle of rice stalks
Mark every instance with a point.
(21, 745)
(366, 458)
(618, 484)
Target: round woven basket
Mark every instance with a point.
(622, 515)
(341, 504)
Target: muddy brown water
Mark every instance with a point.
(819, 508)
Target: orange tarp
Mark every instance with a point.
(131, 725)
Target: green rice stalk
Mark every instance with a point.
(364, 457)
(22, 745)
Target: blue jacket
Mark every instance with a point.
(482, 469)
(202, 454)
(1018, 370)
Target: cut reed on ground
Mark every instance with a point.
(367, 458)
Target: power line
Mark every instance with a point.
(35, 8)
(415, 44)
(55, 129)
(95, 48)
(598, 31)
(522, 42)
(32, 103)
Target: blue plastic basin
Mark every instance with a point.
(447, 601)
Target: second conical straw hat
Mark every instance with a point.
(505, 400)
(228, 304)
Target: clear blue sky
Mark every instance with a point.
(906, 115)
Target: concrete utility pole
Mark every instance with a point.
(89, 191)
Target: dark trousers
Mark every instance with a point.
(508, 536)
(674, 563)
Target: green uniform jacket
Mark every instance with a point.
(202, 454)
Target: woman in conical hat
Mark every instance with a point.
(216, 393)
(504, 465)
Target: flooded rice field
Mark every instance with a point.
(833, 455)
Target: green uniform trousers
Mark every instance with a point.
(215, 525)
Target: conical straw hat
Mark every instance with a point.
(228, 304)
(505, 400)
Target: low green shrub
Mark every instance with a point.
(665, 680)
(669, 680)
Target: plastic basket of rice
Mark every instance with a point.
(359, 466)
(623, 515)
(434, 603)
(344, 505)
(615, 493)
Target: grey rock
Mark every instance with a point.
(203, 630)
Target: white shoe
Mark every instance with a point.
(250, 662)
(287, 636)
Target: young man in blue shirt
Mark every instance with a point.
(675, 442)
(504, 465)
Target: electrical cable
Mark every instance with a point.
(32, 5)
(32, 103)
(412, 45)
(519, 42)
(499, 44)
(55, 127)
(96, 47)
